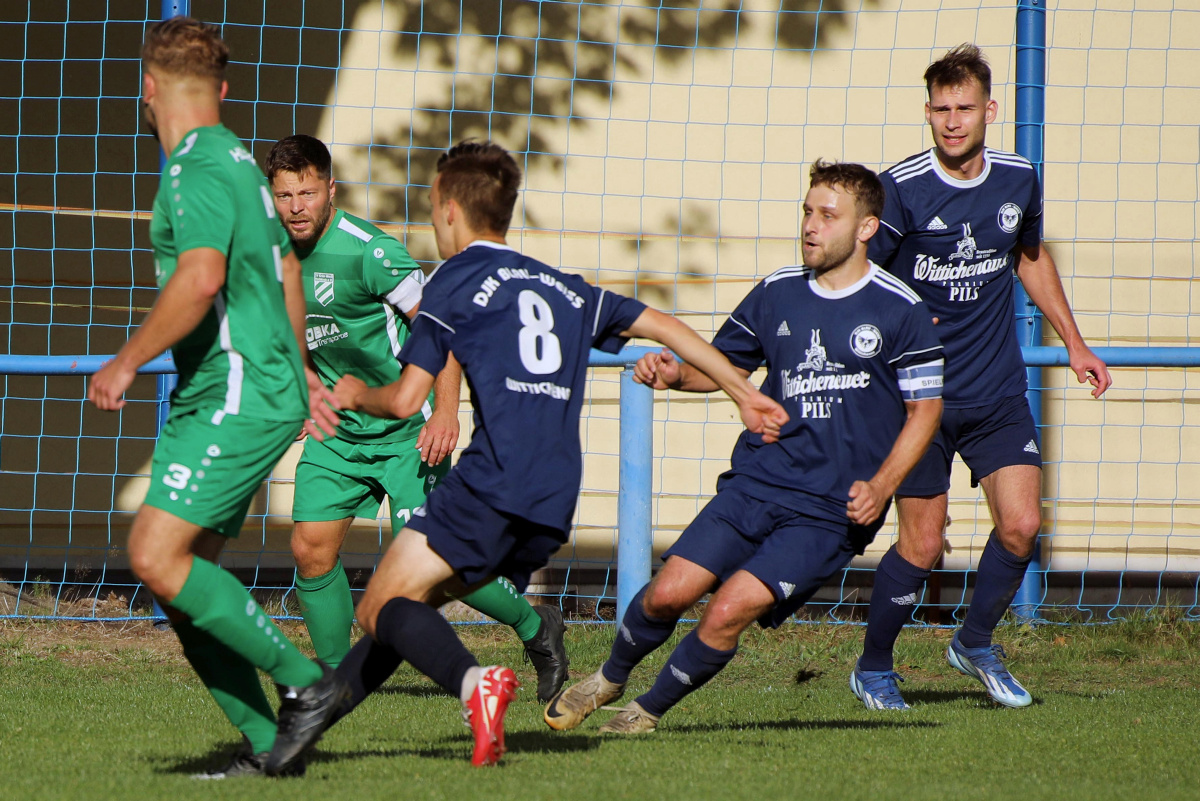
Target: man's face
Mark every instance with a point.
(149, 90)
(958, 116)
(830, 229)
(304, 202)
(441, 225)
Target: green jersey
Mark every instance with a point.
(242, 359)
(359, 286)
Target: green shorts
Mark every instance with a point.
(336, 479)
(208, 473)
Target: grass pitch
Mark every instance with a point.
(112, 711)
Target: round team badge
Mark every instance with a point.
(1009, 217)
(866, 340)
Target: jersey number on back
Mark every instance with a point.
(540, 351)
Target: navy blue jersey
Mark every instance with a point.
(957, 244)
(522, 332)
(842, 363)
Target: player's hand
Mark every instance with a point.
(107, 387)
(762, 415)
(657, 370)
(322, 409)
(866, 503)
(1090, 369)
(347, 391)
(438, 436)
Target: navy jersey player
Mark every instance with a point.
(522, 332)
(852, 356)
(959, 221)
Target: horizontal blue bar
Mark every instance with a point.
(1038, 356)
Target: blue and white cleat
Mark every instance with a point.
(984, 664)
(877, 689)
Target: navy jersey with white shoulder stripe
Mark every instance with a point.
(842, 363)
(522, 332)
(957, 244)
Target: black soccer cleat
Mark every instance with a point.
(304, 715)
(245, 762)
(548, 653)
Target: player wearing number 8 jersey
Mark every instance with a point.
(361, 288)
(522, 332)
(220, 258)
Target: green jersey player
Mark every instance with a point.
(361, 290)
(231, 310)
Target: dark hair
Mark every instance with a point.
(853, 178)
(961, 65)
(186, 47)
(484, 179)
(296, 154)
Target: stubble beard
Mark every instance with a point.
(316, 230)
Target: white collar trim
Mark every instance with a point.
(487, 243)
(835, 294)
(959, 183)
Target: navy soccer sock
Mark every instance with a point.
(637, 636)
(367, 666)
(418, 633)
(689, 667)
(898, 582)
(996, 584)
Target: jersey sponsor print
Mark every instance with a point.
(359, 285)
(242, 359)
(842, 363)
(957, 244)
(522, 332)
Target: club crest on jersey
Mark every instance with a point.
(323, 288)
(1009, 217)
(866, 340)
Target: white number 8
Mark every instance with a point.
(537, 321)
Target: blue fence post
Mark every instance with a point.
(166, 382)
(634, 537)
(1031, 118)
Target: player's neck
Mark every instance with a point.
(178, 118)
(464, 237)
(963, 168)
(846, 274)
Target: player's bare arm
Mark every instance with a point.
(664, 371)
(439, 435)
(181, 305)
(868, 498)
(1040, 278)
(760, 414)
(394, 401)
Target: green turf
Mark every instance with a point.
(92, 711)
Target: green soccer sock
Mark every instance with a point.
(218, 604)
(500, 600)
(233, 683)
(328, 612)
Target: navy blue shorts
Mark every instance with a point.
(480, 542)
(790, 552)
(987, 437)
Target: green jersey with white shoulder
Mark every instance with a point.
(242, 359)
(360, 284)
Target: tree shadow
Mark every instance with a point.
(796, 724)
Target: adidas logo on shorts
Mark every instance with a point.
(1031, 447)
(788, 588)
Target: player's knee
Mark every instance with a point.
(921, 548)
(367, 612)
(313, 558)
(1018, 532)
(664, 602)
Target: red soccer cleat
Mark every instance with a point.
(485, 713)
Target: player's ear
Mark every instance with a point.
(332, 188)
(224, 89)
(928, 116)
(149, 87)
(867, 227)
(989, 112)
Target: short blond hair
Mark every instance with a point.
(187, 48)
